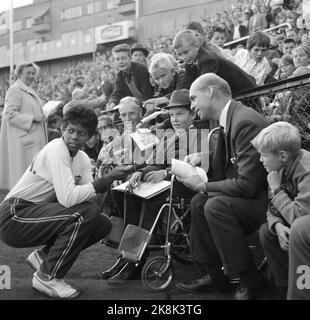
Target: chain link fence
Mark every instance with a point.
(287, 100)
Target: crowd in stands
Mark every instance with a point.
(147, 86)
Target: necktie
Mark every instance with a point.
(219, 158)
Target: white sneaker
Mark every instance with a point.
(55, 288)
(34, 260)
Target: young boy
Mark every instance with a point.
(199, 61)
(132, 78)
(288, 168)
(53, 204)
(253, 60)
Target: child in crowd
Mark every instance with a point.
(301, 57)
(286, 67)
(288, 168)
(253, 60)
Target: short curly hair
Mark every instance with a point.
(22, 65)
(81, 113)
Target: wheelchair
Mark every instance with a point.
(173, 219)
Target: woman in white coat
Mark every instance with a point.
(23, 130)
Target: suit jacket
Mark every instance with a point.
(208, 61)
(137, 72)
(237, 171)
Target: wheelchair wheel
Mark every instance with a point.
(156, 275)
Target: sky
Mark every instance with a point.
(5, 4)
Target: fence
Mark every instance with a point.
(286, 100)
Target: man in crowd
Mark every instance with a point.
(139, 53)
(219, 224)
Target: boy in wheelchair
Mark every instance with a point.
(288, 169)
(157, 169)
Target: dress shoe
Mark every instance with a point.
(127, 272)
(117, 266)
(204, 283)
(246, 293)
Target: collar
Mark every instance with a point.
(20, 84)
(223, 117)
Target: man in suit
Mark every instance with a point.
(220, 223)
(240, 30)
(132, 78)
(199, 61)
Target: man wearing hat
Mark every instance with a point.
(139, 53)
(176, 143)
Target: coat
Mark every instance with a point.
(20, 138)
(138, 76)
(208, 61)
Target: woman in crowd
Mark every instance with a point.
(23, 133)
(301, 57)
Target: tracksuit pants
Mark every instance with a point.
(64, 232)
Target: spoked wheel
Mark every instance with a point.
(179, 238)
(157, 274)
(180, 246)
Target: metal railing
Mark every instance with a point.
(227, 44)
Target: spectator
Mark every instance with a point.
(301, 57)
(164, 70)
(286, 67)
(291, 34)
(132, 77)
(288, 170)
(23, 131)
(163, 47)
(53, 126)
(288, 46)
(240, 30)
(218, 37)
(198, 61)
(257, 21)
(107, 83)
(78, 94)
(197, 28)
(139, 53)
(177, 143)
(253, 60)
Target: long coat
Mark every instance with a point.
(20, 138)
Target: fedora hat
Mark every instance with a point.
(139, 47)
(179, 98)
